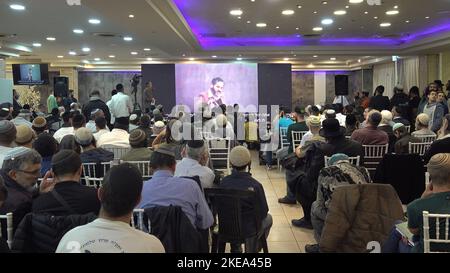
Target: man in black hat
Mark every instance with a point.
(195, 163)
(336, 142)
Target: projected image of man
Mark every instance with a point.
(214, 97)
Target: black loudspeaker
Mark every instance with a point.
(61, 86)
(341, 85)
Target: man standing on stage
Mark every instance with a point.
(121, 106)
(149, 100)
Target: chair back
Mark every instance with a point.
(373, 154)
(9, 227)
(426, 138)
(118, 151)
(297, 137)
(408, 128)
(94, 172)
(283, 137)
(229, 203)
(137, 220)
(355, 160)
(419, 148)
(436, 232)
(143, 166)
(219, 153)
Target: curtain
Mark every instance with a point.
(384, 74)
(408, 73)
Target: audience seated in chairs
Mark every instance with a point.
(398, 113)
(117, 137)
(166, 137)
(4, 248)
(371, 135)
(435, 200)
(95, 114)
(386, 126)
(66, 128)
(68, 195)
(351, 124)
(403, 139)
(195, 162)
(164, 190)
(119, 195)
(68, 143)
(90, 153)
(306, 186)
(144, 125)
(39, 125)
(25, 136)
(139, 147)
(339, 173)
(101, 129)
(442, 145)
(422, 126)
(8, 133)
(241, 178)
(20, 171)
(299, 126)
(46, 146)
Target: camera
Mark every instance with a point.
(135, 80)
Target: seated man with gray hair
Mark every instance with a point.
(20, 171)
(195, 163)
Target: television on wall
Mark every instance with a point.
(30, 74)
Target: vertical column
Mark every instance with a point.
(2, 69)
(320, 83)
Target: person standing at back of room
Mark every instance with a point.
(121, 105)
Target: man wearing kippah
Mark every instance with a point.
(139, 147)
(242, 179)
(435, 200)
(8, 133)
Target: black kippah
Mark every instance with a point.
(195, 143)
(65, 157)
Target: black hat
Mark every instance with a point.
(195, 143)
(331, 128)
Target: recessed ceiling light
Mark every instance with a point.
(392, 12)
(236, 12)
(286, 59)
(347, 7)
(85, 61)
(17, 7)
(252, 0)
(315, 56)
(366, 12)
(407, 21)
(97, 59)
(318, 29)
(340, 12)
(86, 49)
(428, 17)
(131, 16)
(111, 56)
(324, 2)
(385, 24)
(355, 1)
(277, 27)
(73, 53)
(94, 21)
(147, 49)
(261, 25)
(287, 12)
(149, 59)
(359, 60)
(214, 56)
(332, 59)
(395, 7)
(60, 56)
(310, 65)
(128, 38)
(134, 53)
(327, 21)
(299, 6)
(239, 59)
(239, 17)
(78, 31)
(51, 38)
(191, 59)
(37, 44)
(248, 22)
(297, 28)
(376, 17)
(315, 12)
(340, 28)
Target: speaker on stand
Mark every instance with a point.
(341, 89)
(61, 87)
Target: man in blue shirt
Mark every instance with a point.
(164, 190)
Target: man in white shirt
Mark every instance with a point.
(108, 103)
(77, 121)
(100, 124)
(119, 136)
(121, 105)
(111, 232)
(194, 163)
(7, 136)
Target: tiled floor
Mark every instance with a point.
(283, 237)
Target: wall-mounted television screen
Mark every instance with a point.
(30, 74)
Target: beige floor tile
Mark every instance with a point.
(281, 234)
(280, 221)
(276, 210)
(303, 235)
(283, 247)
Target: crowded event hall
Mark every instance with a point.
(224, 126)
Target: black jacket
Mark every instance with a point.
(93, 104)
(405, 173)
(399, 99)
(380, 103)
(41, 233)
(438, 146)
(390, 133)
(172, 227)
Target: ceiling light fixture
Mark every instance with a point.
(299, 6)
(214, 56)
(332, 59)
(277, 27)
(261, 25)
(340, 12)
(111, 56)
(86, 49)
(327, 21)
(17, 7)
(395, 7)
(37, 44)
(287, 12)
(73, 53)
(191, 59)
(134, 53)
(236, 12)
(60, 56)
(50, 38)
(317, 29)
(286, 59)
(355, 1)
(131, 16)
(239, 59)
(149, 59)
(147, 49)
(407, 21)
(385, 24)
(78, 31)
(315, 12)
(315, 56)
(97, 59)
(94, 21)
(392, 12)
(128, 38)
